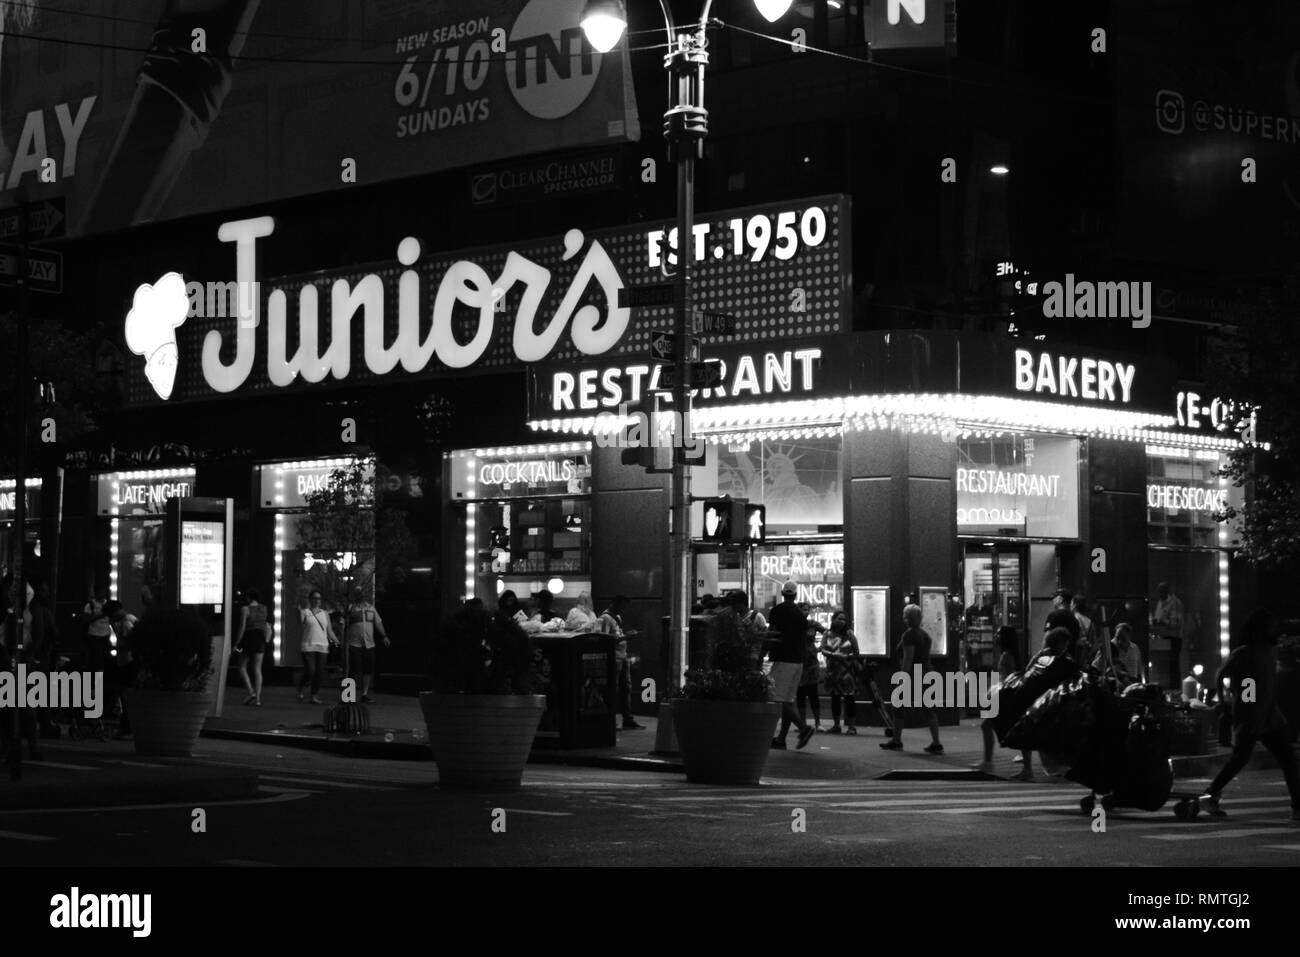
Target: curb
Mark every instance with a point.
(177, 785)
(351, 747)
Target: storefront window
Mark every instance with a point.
(1183, 495)
(1018, 486)
(134, 504)
(797, 479)
(816, 568)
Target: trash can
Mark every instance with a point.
(578, 676)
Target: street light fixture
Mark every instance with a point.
(603, 21)
(686, 124)
(999, 170)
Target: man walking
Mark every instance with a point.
(791, 627)
(363, 624)
(914, 649)
(1256, 717)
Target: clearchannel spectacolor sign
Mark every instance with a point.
(780, 268)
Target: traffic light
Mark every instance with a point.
(754, 531)
(723, 519)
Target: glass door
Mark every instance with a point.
(994, 590)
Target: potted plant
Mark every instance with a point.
(722, 714)
(171, 666)
(481, 714)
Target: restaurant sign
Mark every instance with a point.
(781, 269)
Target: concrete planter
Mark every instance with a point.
(725, 742)
(481, 741)
(166, 723)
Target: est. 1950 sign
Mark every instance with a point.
(781, 269)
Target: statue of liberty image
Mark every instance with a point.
(776, 482)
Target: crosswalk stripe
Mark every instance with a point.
(323, 782)
(65, 765)
(1282, 847)
(1207, 833)
(141, 764)
(270, 790)
(19, 836)
(520, 810)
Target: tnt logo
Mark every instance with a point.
(551, 67)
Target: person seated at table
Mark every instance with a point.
(582, 617)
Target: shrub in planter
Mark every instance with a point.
(170, 668)
(481, 715)
(722, 714)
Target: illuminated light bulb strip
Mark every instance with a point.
(152, 474)
(1223, 605)
(112, 573)
(1167, 451)
(471, 539)
(560, 448)
(279, 582)
(951, 414)
(336, 463)
(30, 482)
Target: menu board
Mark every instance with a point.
(203, 564)
(871, 619)
(934, 618)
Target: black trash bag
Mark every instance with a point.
(1061, 719)
(1098, 762)
(1152, 695)
(1022, 689)
(1148, 776)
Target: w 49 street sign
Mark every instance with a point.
(44, 269)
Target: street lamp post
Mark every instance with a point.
(686, 123)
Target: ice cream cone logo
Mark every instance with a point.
(156, 312)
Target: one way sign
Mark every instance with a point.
(44, 269)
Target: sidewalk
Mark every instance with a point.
(398, 733)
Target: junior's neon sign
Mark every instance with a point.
(592, 330)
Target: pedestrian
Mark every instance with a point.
(1045, 669)
(1125, 657)
(39, 620)
(252, 635)
(611, 623)
(1087, 630)
(364, 624)
(17, 646)
(317, 639)
(1008, 665)
(811, 675)
(582, 618)
(1256, 718)
(791, 628)
(840, 646)
(1168, 623)
(122, 623)
(914, 649)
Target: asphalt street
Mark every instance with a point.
(317, 809)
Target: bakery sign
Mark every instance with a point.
(489, 310)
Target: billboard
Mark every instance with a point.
(781, 269)
(164, 108)
(1209, 136)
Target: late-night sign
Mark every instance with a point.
(1083, 377)
(140, 496)
(779, 268)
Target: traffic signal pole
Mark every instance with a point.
(686, 123)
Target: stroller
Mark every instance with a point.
(79, 726)
(865, 673)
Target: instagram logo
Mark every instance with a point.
(1169, 111)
